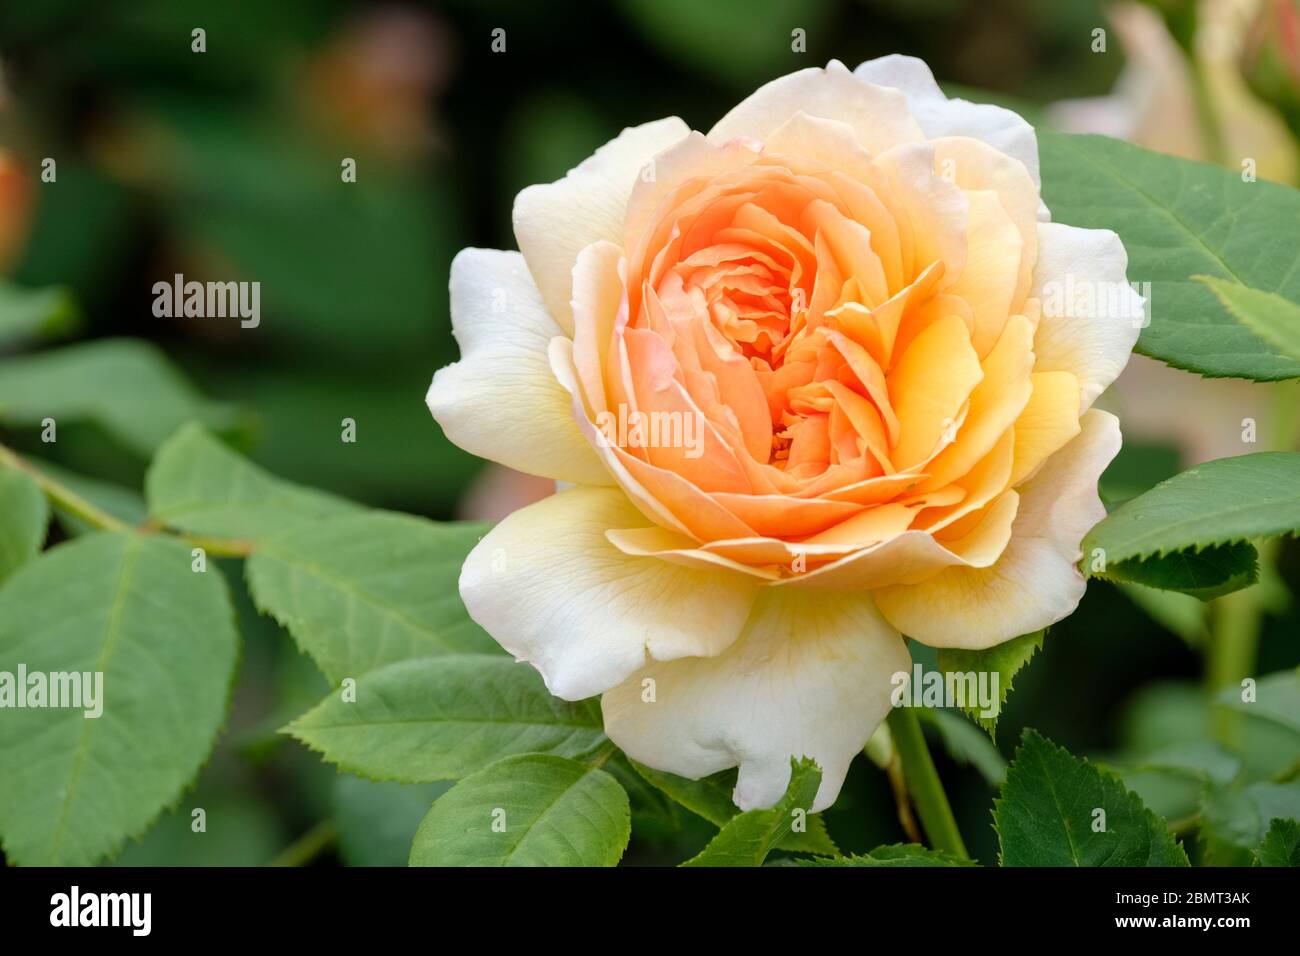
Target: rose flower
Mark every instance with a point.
(819, 379)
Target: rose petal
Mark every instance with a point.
(1035, 582)
(503, 330)
(553, 591)
(555, 221)
(811, 676)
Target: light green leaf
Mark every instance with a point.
(1274, 319)
(965, 744)
(710, 798)
(198, 484)
(747, 839)
(360, 591)
(441, 718)
(163, 637)
(1206, 513)
(1051, 806)
(896, 854)
(527, 810)
(1180, 220)
(30, 315)
(1005, 660)
(1281, 846)
(1276, 698)
(24, 517)
(126, 386)
(377, 821)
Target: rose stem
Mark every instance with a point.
(923, 783)
(68, 500)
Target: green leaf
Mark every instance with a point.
(24, 517)
(360, 591)
(1274, 319)
(896, 854)
(747, 839)
(126, 386)
(1180, 220)
(966, 745)
(163, 637)
(1049, 807)
(198, 484)
(1204, 574)
(527, 810)
(441, 718)
(1239, 818)
(1003, 660)
(1206, 512)
(710, 798)
(1281, 846)
(29, 315)
(1276, 698)
(377, 821)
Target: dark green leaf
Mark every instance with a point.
(897, 854)
(1281, 846)
(1207, 513)
(1003, 660)
(710, 798)
(1051, 811)
(747, 839)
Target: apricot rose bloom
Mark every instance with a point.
(843, 286)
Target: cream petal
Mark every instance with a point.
(879, 116)
(549, 586)
(1036, 581)
(501, 401)
(939, 116)
(811, 676)
(555, 221)
(1091, 315)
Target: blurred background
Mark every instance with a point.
(225, 165)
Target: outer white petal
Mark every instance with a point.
(878, 116)
(501, 400)
(938, 115)
(556, 221)
(1091, 315)
(1036, 581)
(553, 591)
(811, 676)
